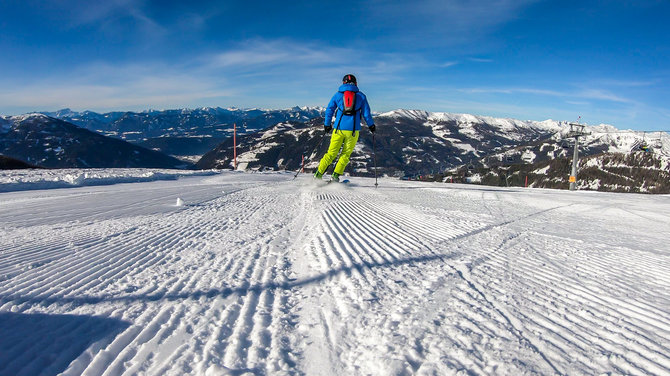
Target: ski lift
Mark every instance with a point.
(658, 142)
(644, 146)
(565, 145)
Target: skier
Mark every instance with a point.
(349, 105)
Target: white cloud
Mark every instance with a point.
(593, 93)
(603, 95)
(278, 52)
(513, 90)
(287, 62)
(106, 16)
(93, 12)
(103, 86)
(256, 73)
(448, 64)
(624, 83)
(450, 21)
(480, 60)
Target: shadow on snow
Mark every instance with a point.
(41, 344)
(225, 292)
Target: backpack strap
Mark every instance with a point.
(360, 115)
(339, 121)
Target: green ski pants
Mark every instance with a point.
(339, 139)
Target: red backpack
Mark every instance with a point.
(349, 100)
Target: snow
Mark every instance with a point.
(407, 114)
(277, 129)
(528, 156)
(24, 117)
(505, 124)
(542, 171)
(189, 158)
(18, 180)
(467, 123)
(467, 148)
(261, 274)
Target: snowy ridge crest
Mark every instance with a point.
(28, 116)
(407, 114)
(469, 119)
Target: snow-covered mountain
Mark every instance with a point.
(48, 142)
(183, 132)
(407, 142)
(414, 142)
(598, 139)
(638, 172)
(610, 160)
(279, 147)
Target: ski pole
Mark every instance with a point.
(313, 150)
(374, 157)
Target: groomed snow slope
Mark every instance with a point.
(258, 274)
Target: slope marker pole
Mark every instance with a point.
(374, 157)
(313, 150)
(235, 146)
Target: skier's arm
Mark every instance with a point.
(367, 114)
(330, 110)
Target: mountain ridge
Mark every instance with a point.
(183, 132)
(417, 142)
(49, 142)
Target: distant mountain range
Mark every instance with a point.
(408, 143)
(48, 142)
(183, 132)
(634, 172)
(498, 151)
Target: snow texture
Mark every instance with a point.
(259, 274)
(18, 180)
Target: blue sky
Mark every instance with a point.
(606, 61)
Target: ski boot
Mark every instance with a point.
(335, 177)
(318, 175)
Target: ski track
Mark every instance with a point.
(262, 275)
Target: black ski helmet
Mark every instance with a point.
(349, 79)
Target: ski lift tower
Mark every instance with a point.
(576, 131)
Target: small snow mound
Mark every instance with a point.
(75, 178)
(215, 370)
(180, 202)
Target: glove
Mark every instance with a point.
(327, 128)
(372, 128)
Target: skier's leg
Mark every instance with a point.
(349, 144)
(336, 140)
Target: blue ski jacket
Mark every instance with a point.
(348, 122)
